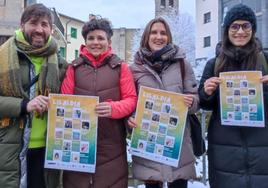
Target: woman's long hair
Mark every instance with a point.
(230, 53)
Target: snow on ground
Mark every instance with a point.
(197, 185)
(190, 185)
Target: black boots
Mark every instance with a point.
(153, 184)
(180, 183)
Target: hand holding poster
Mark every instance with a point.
(71, 133)
(161, 117)
(241, 98)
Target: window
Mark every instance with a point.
(260, 26)
(29, 2)
(206, 41)
(258, 6)
(207, 17)
(171, 3)
(163, 3)
(62, 52)
(2, 3)
(73, 32)
(76, 54)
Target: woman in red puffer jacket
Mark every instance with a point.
(99, 72)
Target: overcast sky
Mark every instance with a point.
(122, 13)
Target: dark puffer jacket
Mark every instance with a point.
(238, 156)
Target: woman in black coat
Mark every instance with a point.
(238, 156)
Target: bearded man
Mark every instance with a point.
(30, 69)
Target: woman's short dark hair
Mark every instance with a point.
(36, 11)
(101, 24)
(146, 33)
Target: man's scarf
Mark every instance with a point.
(10, 75)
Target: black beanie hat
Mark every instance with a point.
(240, 12)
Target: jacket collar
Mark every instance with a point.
(96, 62)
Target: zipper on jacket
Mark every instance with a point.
(245, 155)
(90, 67)
(158, 78)
(91, 185)
(95, 80)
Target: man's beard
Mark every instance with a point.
(40, 44)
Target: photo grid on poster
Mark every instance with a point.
(156, 140)
(241, 99)
(76, 123)
(157, 120)
(71, 142)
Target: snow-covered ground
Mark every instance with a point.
(190, 185)
(197, 185)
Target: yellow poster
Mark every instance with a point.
(71, 133)
(161, 118)
(241, 99)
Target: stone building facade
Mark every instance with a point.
(165, 6)
(9, 19)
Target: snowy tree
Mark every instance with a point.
(182, 29)
(135, 43)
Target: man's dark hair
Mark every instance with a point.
(101, 24)
(36, 11)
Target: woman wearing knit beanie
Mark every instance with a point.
(238, 156)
